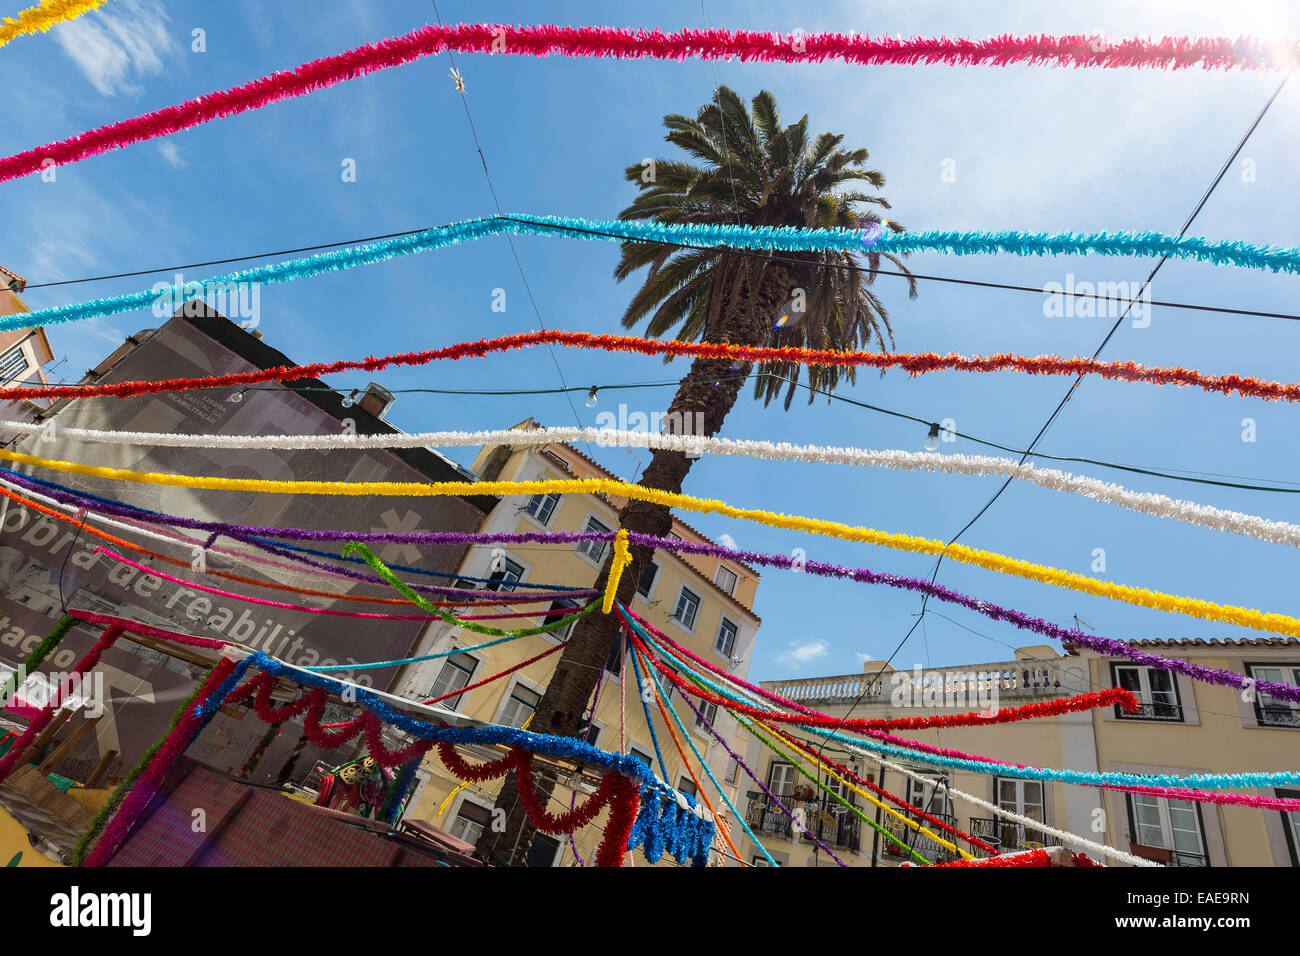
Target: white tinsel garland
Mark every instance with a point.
(1161, 506)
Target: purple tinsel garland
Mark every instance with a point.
(244, 534)
(1102, 645)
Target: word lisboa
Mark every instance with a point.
(1102, 300)
(673, 423)
(944, 689)
(234, 300)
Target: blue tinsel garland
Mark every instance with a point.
(1219, 252)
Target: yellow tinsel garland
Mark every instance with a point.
(1141, 597)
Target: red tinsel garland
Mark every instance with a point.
(913, 364)
(107, 638)
(1051, 708)
(1032, 858)
(613, 787)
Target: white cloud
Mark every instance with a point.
(171, 153)
(803, 652)
(116, 45)
(862, 658)
(727, 541)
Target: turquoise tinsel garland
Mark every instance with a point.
(1219, 252)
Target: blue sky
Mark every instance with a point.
(1033, 149)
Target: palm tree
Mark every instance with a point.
(751, 171)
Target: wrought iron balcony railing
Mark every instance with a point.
(832, 822)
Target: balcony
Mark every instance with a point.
(1167, 857)
(918, 841)
(832, 822)
(1009, 837)
(969, 684)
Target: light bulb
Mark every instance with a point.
(350, 399)
(237, 397)
(932, 439)
(591, 397)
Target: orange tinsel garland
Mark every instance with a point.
(913, 364)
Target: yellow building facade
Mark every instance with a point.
(1183, 727)
(700, 602)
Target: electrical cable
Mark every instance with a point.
(1069, 392)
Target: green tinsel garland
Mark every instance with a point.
(34, 660)
(382, 570)
(272, 731)
(114, 801)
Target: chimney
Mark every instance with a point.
(376, 400)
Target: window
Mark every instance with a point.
(1024, 797)
(592, 734)
(561, 608)
(708, 712)
(674, 535)
(732, 769)
(520, 705)
(647, 582)
(541, 507)
(471, 820)
(780, 778)
(542, 851)
(687, 786)
(725, 579)
(12, 365)
(759, 860)
(614, 663)
(1173, 825)
(595, 550)
(688, 605)
(456, 673)
(505, 576)
(725, 642)
(1291, 824)
(1269, 711)
(1156, 691)
(640, 755)
(923, 795)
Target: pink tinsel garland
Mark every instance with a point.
(1247, 53)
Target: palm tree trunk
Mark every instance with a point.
(711, 388)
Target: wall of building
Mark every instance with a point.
(45, 566)
(571, 566)
(1218, 731)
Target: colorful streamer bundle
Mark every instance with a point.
(1078, 50)
(1158, 785)
(1052, 708)
(913, 364)
(1110, 647)
(43, 16)
(1142, 597)
(1194, 248)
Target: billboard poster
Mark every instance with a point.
(47, 565)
